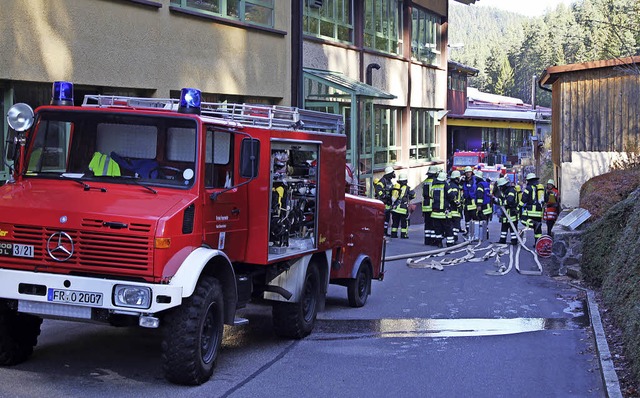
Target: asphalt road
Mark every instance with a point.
(423, 333)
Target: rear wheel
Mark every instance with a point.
(358, 289)
(18, 335)
(193, 335)
(296, 320)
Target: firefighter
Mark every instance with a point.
(429, 233)
(552, 205)
(400, 207)
(507, 198)
(441, 198)
(469, 188)
(456, 205)
(531, 205)
(383, 188)
(483, 201)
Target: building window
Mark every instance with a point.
(424, 140)
(254, 12)
(386, 127)
(383, 25)
(426, 42)
(329, 19)
(457, 82)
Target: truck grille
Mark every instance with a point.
(93, 251)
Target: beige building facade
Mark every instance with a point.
(381, 63)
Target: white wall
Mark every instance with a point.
(583, 166)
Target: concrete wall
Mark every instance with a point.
(126, 44)
(583, 166)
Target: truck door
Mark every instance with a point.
(225, 217)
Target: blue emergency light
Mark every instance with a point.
(62, 93)
(189, 101)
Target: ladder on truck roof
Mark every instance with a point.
(266, 116)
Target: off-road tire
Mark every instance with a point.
(192, 335)
(358, 289)
(18, 335)
(296, 320)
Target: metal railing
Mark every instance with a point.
(266, 116)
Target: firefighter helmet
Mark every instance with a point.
(468, 169)
(403, 176)
(502, 181)
(442, 176)
(455, 174)
(551, 182)
(432, 170)
(478, 173)
(531, 176)
(388, 170)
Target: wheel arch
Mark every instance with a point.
(205, 261)
(362, 259)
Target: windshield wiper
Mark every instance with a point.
(86, 186)
(135, 181)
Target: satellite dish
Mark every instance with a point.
(20, 117)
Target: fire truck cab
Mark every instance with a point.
(462, 159)
(174, 214)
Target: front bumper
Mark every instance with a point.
(31, 289)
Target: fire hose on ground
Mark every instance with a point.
(494, 250)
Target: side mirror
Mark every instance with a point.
(249, 158)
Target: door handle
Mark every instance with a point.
(235, 211)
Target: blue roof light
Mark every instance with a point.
(62, 93)
(189, 101)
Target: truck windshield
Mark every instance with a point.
(154, 149)
(465, 160)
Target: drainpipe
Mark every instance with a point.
(369, 77)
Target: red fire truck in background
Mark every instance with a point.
(462, 159)
(175, 214)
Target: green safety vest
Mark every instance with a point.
(102, 165)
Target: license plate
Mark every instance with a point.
(74, 297)
(16, 250)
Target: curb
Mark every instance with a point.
(607, 369)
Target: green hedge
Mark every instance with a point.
(611, 260)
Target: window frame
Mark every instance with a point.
(378, 16)
(424, 145)
(225, 8)
(334, 16)
(387, 128)
(426, 33)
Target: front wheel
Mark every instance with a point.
(358, 289)
(18, 335)
(296, 320)
(193, 335)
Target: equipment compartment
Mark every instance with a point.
(294, 194)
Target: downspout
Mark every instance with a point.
(297, 41)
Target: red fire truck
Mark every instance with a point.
(462, 159)
(174, 214)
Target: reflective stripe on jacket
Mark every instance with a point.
(102, 165)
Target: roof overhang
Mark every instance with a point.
(458, 67)
(344, 83)
(553, 73)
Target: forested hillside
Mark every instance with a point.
(509, 49)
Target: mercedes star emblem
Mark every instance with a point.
(60, 246)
